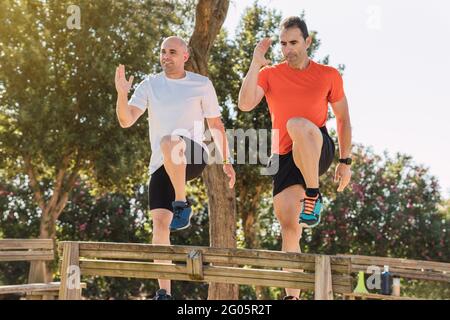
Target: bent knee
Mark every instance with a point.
(300, 126)
(168, 142)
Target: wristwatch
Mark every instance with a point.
(347, 161)
(228, 160)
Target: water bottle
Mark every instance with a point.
(396, 287)
(386, 281)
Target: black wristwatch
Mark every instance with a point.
(346, 161)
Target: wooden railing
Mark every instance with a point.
(321, 273)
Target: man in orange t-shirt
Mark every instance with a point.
(298, 92)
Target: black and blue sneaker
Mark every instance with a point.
(311, 208)
(182, 214)
(161, 294)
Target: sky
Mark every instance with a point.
(397, 75)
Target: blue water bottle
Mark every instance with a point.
(386, 281)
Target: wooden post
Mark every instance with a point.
(194, 265)
(37, 274)
(323, 285)
(70, 272)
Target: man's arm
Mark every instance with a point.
(251, 94)
(126, 114)
(217, 130)
(344, 129)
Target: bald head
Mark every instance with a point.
(173, 55)
(174, 41)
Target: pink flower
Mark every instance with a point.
(82, 227)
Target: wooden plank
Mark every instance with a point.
(207, 278)
(212, 258)
(400, 263)
(173, 271)
(46, 255)
(23, 288)
(246, 253)
(185, 277)
(133, 265)
(70, 288)
(409, 273)
(260, 282)
(323, 283)
(403, 263)
(207, 259)
(207, 270)
(223, 260)
(194, 265)
(54, 292)
(365, 296)
(258, 274)
(131, 255)
(14, 244)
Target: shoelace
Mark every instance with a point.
(309, 204)
(177, 212)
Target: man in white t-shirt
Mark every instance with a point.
(177, 101)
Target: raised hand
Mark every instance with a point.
(260, 51)
(123, 85)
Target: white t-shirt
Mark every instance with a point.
(175, 107)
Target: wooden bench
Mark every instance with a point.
(401, 268)
(37, 252)
(323, 274)
(34, 251)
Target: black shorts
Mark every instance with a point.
(288, 174)
(160, 189)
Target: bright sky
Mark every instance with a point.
(397, 76)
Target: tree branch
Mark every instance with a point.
(209, 17)
(58, 183)
(38, 195)
(62, 201)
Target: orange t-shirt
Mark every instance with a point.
(298, 93)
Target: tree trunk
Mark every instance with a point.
(250, 225)
(51, 210)
(210, 15)
(222, 224)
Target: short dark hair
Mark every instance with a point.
(295, 22)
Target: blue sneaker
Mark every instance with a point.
(182, 214)
(310, 214)
(162, 294)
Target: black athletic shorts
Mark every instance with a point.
(160, 189)
(288, 174)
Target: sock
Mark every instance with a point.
(311, 192)
(182, 204)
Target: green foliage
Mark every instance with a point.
(389, 209)
(57, 86)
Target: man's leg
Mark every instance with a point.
(161, 235)
(287, 207)
(173, 150)
(307, 146)
(306, 151)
